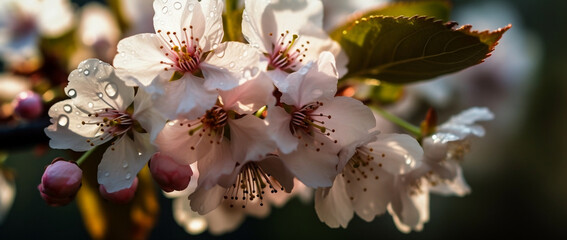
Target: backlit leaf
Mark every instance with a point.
(403, 50)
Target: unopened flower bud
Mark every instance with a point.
(120, 197)
(170, 175)
(28, 105)
(60, 182)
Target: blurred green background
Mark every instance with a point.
(518, 178)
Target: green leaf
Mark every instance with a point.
(404, 50)
(436, 8)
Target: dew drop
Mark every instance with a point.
(177, 5)
(67, 108)
(128, 176)
(211, 14)
(91, 105)
(247, 74)
(63, 121)
(231, 65)
(215, 46)
(191, 7)
(86, 72)
(164, 10)
(72, 93)
(99, 94)
(125, 165)
(245, 53)
(220, 54)
(106, 174)
(80, 69)
(79, 125)
(139, 154)
(254, 71)
(111, 89)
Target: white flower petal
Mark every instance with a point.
(121, 162)
(274, 166)
(95, 86)
(332, 205)
(67, 131)
(217, 164)
(316, 81)
(372, 193)
(249, 139)
(313, 168)
(253, 28)
(458, 186)
(139, 58)
(348, 151)
(249, 97)
(147, 115)
(213, 28)
(192, 222)
(231, 65)
(185, 98)
(203, 201)
(278, 126)
(349, 118)
(226, 219)
(410, 210)
(398, 153)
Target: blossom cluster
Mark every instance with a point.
(246, 125)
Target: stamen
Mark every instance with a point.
(250, 185)
(285, 52)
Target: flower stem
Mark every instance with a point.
(398, 121)
(86, 155)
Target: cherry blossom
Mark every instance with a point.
(99, 110)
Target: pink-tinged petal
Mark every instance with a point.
(316, 81)
(410, 208)
(191, 221)
(250, 140)
(148, 116)
(139, 58)
(205, 200)
(278, 127)
(462, 125)
(249, 97)
(67, 131)
(277, 76)
(185, 98)
(274, 166)
(348, 119)
(313, 168)
(231, 65)
(173, 16)
(397, 153)
(372, 192)
(95, 86)
(254, 29)
(225, 219)
(175, 140)
(458, 186)
(122, 161)
(213, 31)
(292, 15)
(333, 205)
(216, 164)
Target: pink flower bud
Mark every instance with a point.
(169, 174)
(60, 182)
(120, 197)
(28, 105)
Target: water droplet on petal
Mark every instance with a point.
(254, 71)
(191, 7)
(91, 105)
(86, 72)
(164, 10)
(245, 53)
(80, 69)
(63, 121)
(106, 174)
(67, 108)
(72, 93)
(139, 154)
(220, 54)
(79, 125)
(215, 46)
(211, 14)
(125, 165)
(128, 176)
(111, 89)
(247, 74)
(99, 94)
(177, 5)
(231, 65)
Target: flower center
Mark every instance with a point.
(211, 125)
(182, 49)
(361, 166)
(307, 121)
(111, 123)
(287, 53)
(251, 184)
